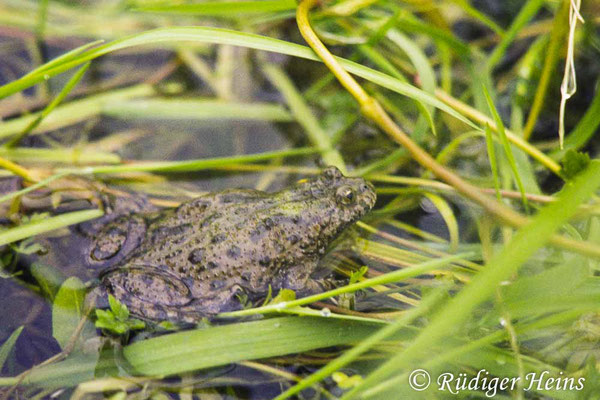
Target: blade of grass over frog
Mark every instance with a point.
(528, 11)
(195, 109)
(390, 277)
(489, 141)
(449, 218)
(506, 146)
(31, 188)
(304, 116)
(501, 266)
(348, 356)
(190, 165)
(37, 227)
(222, 345)
(226, 36)
(8, 345)
(58, 155)
(51, 106)
(326, 313)
(222, 8)
(73, 112)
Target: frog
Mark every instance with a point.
(197, 260)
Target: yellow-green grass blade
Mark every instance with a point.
(37, 227)
(51, 106)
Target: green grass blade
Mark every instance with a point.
(489, 141)
(73, 112)
(222, 8)
(507, 147)
(304, 116)
(8, 345)
(64, 58)
(31, 188)
(500, 267)
(221, 345)
(479, 16)
(190, 165)
(195, 109)
(58, 155)
(449, 218)
(49, 224)
(225, 36)
(410, 23)
(528, 11)
(425, 73)
(51, 106)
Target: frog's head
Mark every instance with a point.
(328, 203)
(349, 198)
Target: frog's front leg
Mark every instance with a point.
(298, 278)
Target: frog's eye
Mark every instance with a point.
(345, 195)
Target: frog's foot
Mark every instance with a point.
(156, 294)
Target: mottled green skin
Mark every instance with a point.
(189, 262)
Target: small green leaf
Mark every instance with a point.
(283, 296)
(116, 319)
(357, 275)
(67, 310)
(119, 310)
(573, 163)
(8, 345)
